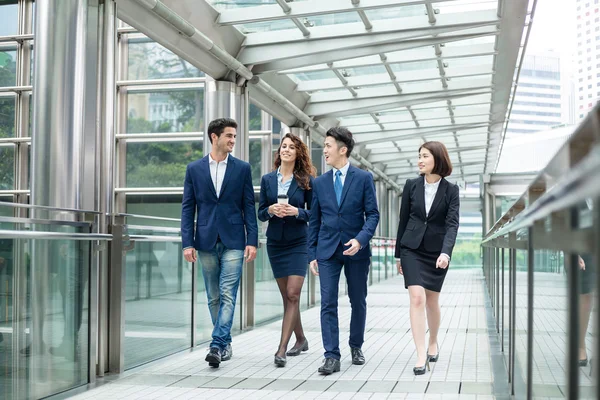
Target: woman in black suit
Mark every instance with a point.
(426, 236)
(291, 182)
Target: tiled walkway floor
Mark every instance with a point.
(464, 370)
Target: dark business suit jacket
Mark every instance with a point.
(356, 217)
(288, 228)
(438, 230)
(224, 216)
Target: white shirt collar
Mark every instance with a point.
(344, 169)
(212, 161)
(431, 185)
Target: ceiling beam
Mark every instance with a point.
(305, 9)
(407, 156)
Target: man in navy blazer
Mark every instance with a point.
(343, 219)
(218, 191)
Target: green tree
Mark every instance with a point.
(8, 73)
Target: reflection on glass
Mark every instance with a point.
(43, 312)
(255, 158)
(254, 118)
(267, 299)
(150, 60)
(396, 12)
(521, 321)
(165, 111)
(160, 164)
(7, 170)
(267, 26)
(7, 117)
(8, 66)
(8, 18)
(157, 205)
(158, 297)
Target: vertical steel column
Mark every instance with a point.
(498, 288)
(116, 299)
(573, 290)
(513, 327)
(502, 305)
(530, 288)
(105, 151)
(596, 312)
(223, 99)
(300, 132)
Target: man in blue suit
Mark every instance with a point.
(343, 219)
(218, 191)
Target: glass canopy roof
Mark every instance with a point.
(395, 72)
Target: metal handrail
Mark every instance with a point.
(47, 208)
(581, 182)
(555, 171)
(10, 234)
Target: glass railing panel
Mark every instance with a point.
(268, 303)
(43, 310)
(158, 290)
(521, 330)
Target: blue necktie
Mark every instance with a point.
(337, 186)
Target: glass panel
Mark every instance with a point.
(160, 164)
(156, 205)
(255, 118)
(7, 167)
(165, 111)
(158, 295)
(268, 303)
(267, 26)
(7, 117)
(255, 158)
(521, 320)
(9, 18)
(311, 76)
(52, 313)
(334, 19)
(8, 66)
(150, 60)
(317, 157)
(373, 69)
(414, 66)
(396, 12)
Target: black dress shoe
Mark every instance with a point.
(421, 370)
(213, 357)
(280, 361)
(295, 351)
(358, 357)
(583, 363)
(330, 365)
(435, 357)
(227, 353)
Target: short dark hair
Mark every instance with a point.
(343, 137)
(217, 126)
(441, 158)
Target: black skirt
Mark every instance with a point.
(419, 269)
(288, 258)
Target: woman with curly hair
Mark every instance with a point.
(285, 197)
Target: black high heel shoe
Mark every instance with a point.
(583, 363)
(421, 370)
(293, 352)
(280, 361)
(434, 358)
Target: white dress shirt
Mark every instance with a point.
(344, 170)
(430, 192)
(217, 172)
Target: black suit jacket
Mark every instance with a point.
(438, 230)
(288, 228)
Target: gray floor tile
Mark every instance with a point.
(378, 386)
(253, 383)
(547, 391)
(476, 388)
(222, 383)
(443, 388)
(193, 381)
(284, 384)
(151, 379)
(346, 386)
(410, 387)
(316, 386)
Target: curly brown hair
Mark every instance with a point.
(303, 168)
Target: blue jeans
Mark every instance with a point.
(222, 270)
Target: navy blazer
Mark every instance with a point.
(224, 216)
(288, 228)
(356, 217)
(438, 230)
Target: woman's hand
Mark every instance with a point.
(277, 210)
(399, 267)
(442, 262)
(290, 211)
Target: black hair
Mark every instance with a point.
(343, 138)
(217, 126)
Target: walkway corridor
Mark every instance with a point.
(464, 370)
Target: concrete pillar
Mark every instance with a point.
(393, 212)
(223, 99)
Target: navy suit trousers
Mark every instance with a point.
(357, 275)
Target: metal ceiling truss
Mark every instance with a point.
(391, 100)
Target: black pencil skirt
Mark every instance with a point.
(419, 268)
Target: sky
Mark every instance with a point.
(553, 26)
